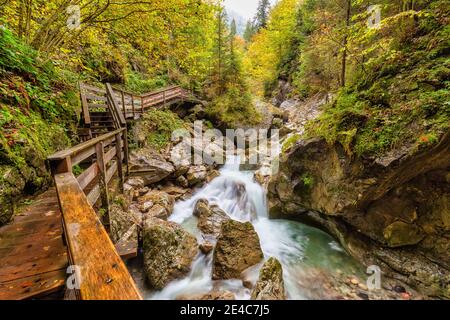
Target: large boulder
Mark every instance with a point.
(168, 252)
(237, 249)
(153, 167)
(210, 217)
(270, 285)
(387, 209)
(399, 234)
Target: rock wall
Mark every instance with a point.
(391, 211)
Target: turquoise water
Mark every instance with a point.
(310, 257)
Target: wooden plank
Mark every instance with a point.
(127, 249)
(110, 155)
(82, 155)
(85, 108)
(33, 286)
(110, 136)
(92, 88)
(104, 275)
(93, 195)
(102, 181)
(160, 90)
(25, 269)
(85, 178)
(111, 171)
(119, 161)
(95, 97)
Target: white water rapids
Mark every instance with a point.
(298, 247)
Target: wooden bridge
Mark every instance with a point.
(98, 105)
(61, 235)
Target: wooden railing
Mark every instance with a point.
(128, 104)
(102, 273)
(132, 105)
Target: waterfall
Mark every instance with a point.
(242, 199)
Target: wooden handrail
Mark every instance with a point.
(61, 155)
(159, 91)
(102, 272)
(113, 104)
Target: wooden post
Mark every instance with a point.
(132, 107)
(123, 105)
(164, 96)
(142, 105)
(119, 160)
(61, 166)
(100, 153)
(123, 99)
(125, 149)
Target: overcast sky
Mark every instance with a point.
(246, 8)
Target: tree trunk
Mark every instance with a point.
(344, 53)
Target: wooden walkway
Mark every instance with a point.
(33, 257)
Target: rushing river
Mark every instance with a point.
(303, 251)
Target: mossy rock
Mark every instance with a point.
(399, 234)
(270, 285)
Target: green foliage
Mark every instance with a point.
(141, 83)
(290, 142)
(36, 115)
(160, 124)
(233, 109)
(404, 97)
(307, 180)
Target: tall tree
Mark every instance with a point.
(220, 46)
(249, 31)
(348, 9)
(262, 14)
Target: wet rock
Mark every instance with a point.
(214, 295)
(237, 249)
(247, 284)
(180, 158)
(162, 204)
(212, 175)
(270, 285)
(174, 191)
(154, 167)
(183, 182)
(196, 175)
(121, 220)
(147, 205)
(397, 205)
(206, 247)
(399, 289)
(400, 234)
(210, 217)
(168, 252)
(136, 182)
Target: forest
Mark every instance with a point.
(358, 92)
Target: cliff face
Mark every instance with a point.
(391, 211)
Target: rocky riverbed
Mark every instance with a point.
(206, 234)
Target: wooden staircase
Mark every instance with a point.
(97, 118)
(108, 109)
